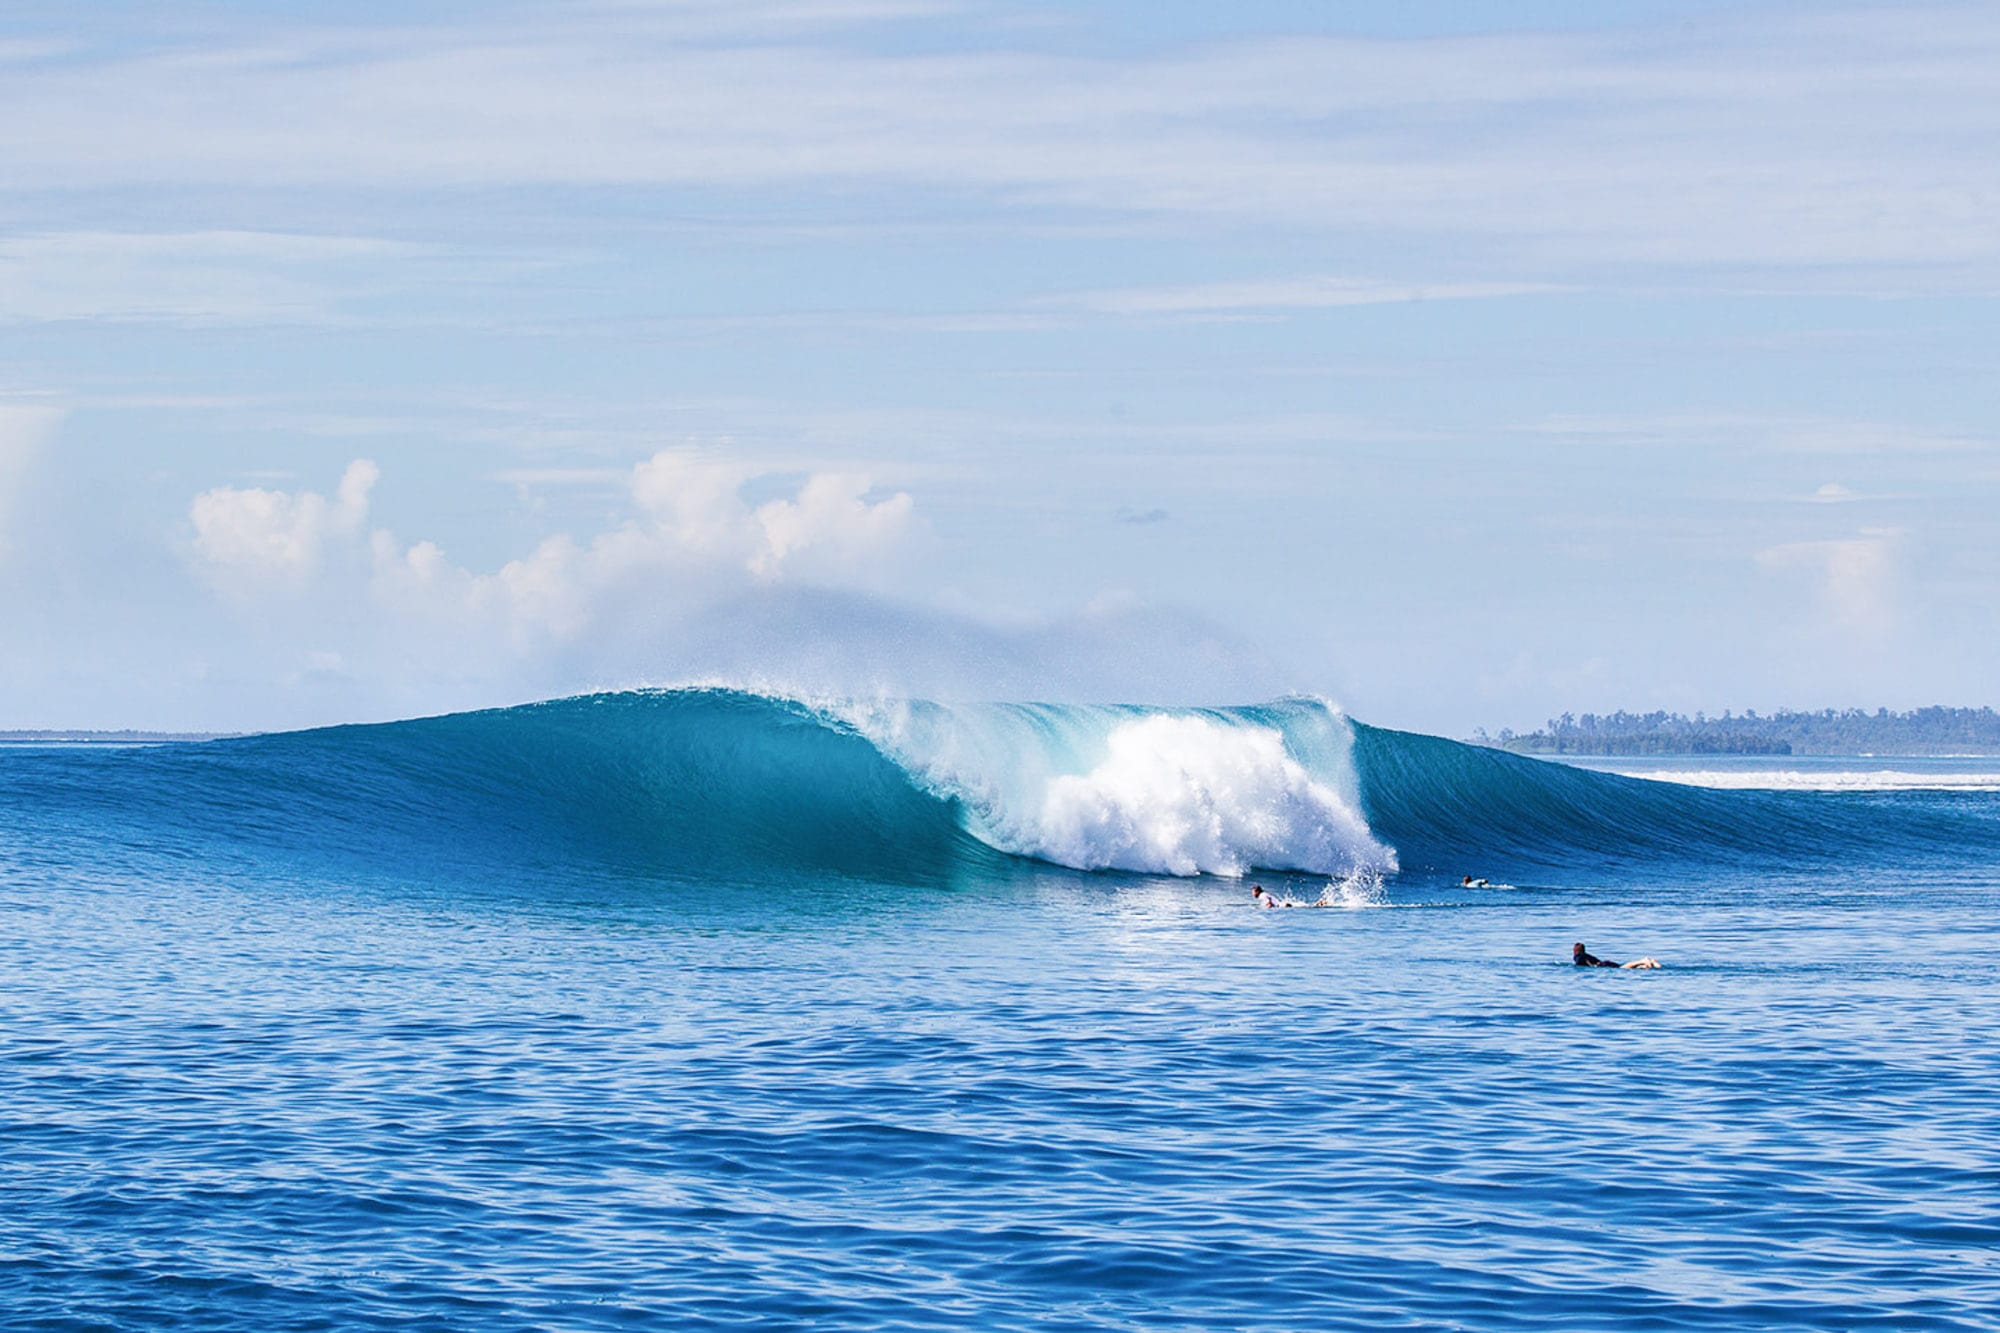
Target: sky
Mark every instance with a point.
(1464, 363)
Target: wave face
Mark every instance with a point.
(718, 782)
(1443, 805)
(726, 784)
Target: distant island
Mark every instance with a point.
(1920, 731)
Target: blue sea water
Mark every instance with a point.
(701, 1009)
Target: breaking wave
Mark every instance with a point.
(717, 783)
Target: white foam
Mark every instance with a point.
(1357, 889)
(1182, 795)
(1163, 792)
(1855, 780)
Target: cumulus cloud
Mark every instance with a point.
(718, 571)
(1854, 577)
(691, 535)
(253, 539)
(831, 516)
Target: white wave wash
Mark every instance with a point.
(1355, 890)
(1164, 792)
(1849, 780)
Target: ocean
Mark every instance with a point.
(708, 1009)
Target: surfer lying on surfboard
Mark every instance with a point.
(1260, 898)
(1582, 958)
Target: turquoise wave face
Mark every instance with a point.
(725, 784)
(694, 784)
(1445, 805)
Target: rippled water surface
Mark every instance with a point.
(248, 1092)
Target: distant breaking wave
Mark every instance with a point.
(1857, 780)
(733, 785)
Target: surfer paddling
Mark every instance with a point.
(1260, 898)
(1584, 958)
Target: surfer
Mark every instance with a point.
(1470, 883)
(1584, 958)
(1259, 897)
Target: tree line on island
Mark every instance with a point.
(1934, 730)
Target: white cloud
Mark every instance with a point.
(1779, 432)
(693, 504)
(24, 430)
(1873, 437)
(207, 277)
(691, 540)
(1293, 293)
(1854, 577)
(710, 18)
(559, 476)
(832, 518)
(252, 539)
(691, 536)
(1791, 141)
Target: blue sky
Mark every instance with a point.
(1464, 362)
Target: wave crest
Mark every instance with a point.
(1178, 792)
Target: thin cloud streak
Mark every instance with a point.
(1779, 433)
(1297, 293)
(219, 276)
(1777, 143)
